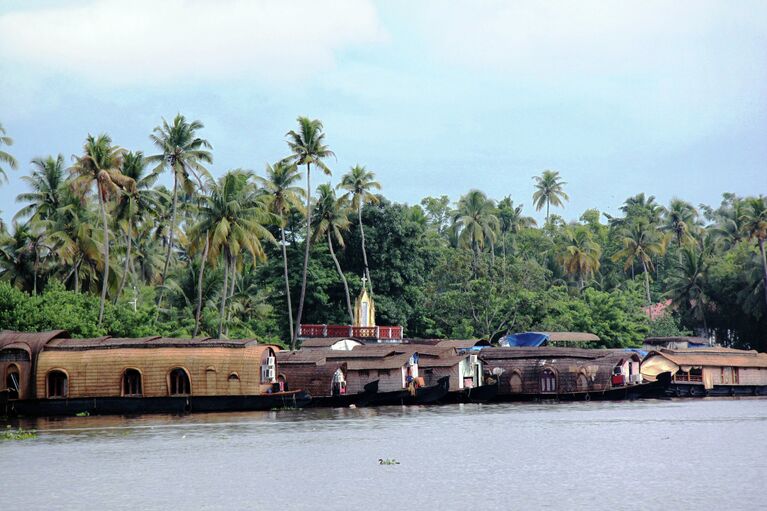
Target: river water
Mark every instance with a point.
(678, 454)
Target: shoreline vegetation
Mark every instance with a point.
(98, 247)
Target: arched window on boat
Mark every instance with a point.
(178, 382)
(132, 383)
(548, 381)
(13, 381)
(582, 382)
(338, 385)
(515, 383)
(57, 384)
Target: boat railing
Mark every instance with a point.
(385, 333)
(687, 377)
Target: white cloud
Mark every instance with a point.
(159, 42)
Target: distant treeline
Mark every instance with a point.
(229, 256)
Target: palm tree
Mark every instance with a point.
(46, 182)
(728, 229)
(640, 241)
(635, 208)
(284, 196)
(359, 183)
(332, 217)
(680, 220)
(74, 241)
(308, 148)
(233, 216)
(686, 282)
(475, 222)
(549, 189)
(581, 254)
(184, 154)
(6, 158)
(755, 224)
(20, 256)
(133, 206)
(99, 166)
(511, 219)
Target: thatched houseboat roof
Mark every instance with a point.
(698, 357)
(146, 342)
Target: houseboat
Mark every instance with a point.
(50, 374)
(700, 372)
(369, 374)
(563, 373)
(459, 361)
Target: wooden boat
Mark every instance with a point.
(143, 405)
(342, 401)
(482, 394)
(702, 372)
(423, 395)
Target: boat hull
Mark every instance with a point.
(629, 392)
(481, 394)
(423, 395)
(360, 399)
(144, 405)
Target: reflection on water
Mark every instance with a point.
(648, 454)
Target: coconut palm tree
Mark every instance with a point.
(686, 282)
(755, 224)
(359, 183)
(728, 227)
(134, 206)
(74, 241)
(549, 189)
(640, 241)
(20, 256)
(680, 220)
(6, 158)
(475, 223)
(307, 146)
(46, 182)
(284, 196)
(233, 216)
(99, 166)
(581, 254)
(511, 219)
(331, 219)
(184, 154)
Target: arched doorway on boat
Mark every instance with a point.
(548, 381)
(338, 386)
(582, 382)
(13, 381)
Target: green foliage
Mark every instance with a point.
(667, 325)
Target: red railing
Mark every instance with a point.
(365, 332)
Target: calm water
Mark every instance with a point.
(685, 454)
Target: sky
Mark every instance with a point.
(435, 97)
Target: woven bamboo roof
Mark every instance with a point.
(448, 361)
(146, 342)
(662, 340)
(549, 352)
(34, 340)
(571, 337)
(713, 357)
(390, 362)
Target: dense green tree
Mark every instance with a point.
(580, 257)
(46, 181)
(475, 223)
(640, 242)
(755, 225)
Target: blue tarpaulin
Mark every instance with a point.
(525, 339)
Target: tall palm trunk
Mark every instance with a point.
(343, 279)
(224, 292)
(199, 285)
(37, 269)
(233, 281)
(106, 255)
(287, 282)
(126, 268)
(307, 243)
(364, 251)
(547, 210)
(646, 282)
(764, 267)
(171, 229)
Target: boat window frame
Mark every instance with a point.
(518, 374)
(554, 377)
(48, 374)
(8, 373)
(140, 382)
(188, 379)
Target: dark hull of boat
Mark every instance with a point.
(629, 392)
(481, 394)
(143, 405)
(679, 389)
(360, 399)
(423, 395)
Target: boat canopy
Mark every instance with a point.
(524, 339)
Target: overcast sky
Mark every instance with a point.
(669, 98)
